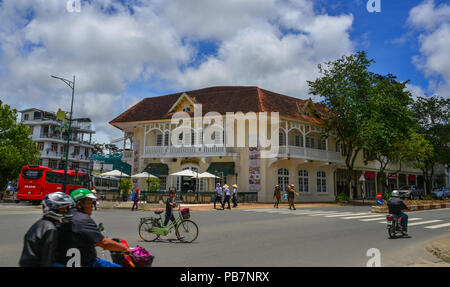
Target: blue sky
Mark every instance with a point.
(122, 51)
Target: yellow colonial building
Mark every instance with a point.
(222, 135)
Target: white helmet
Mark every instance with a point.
(395, 193)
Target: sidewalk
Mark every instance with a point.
(440, 248)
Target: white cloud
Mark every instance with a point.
(274, 44)
(416, 91)
(434, 39)
(264, 56)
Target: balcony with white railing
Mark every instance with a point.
(187, 151)
(309, 153)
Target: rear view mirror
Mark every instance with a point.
(100, 227)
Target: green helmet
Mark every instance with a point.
(81, 193)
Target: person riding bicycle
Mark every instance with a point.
(82, 234)
(396, 207)
(39, 247)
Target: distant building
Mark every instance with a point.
(52, 142)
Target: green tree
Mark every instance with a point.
(346, 86)
(125, 186)
(111, 148)
(98, 149)
(433, 115)
(388, 124)
(16, 146)
(153, 184)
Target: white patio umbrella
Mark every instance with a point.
(186, 172)
(116, 173)
(145, 175)
(207, 175)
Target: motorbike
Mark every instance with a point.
(394, 226)
(139, 256)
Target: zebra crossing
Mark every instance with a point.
(360, 216)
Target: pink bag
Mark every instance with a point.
(141, 257)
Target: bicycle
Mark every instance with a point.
(186, 230)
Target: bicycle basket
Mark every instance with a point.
(185, 213)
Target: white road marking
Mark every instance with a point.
(409, 219)
(361, 216)
(331, 213)
(373, 219)
(339, 215)
(424, 222)
(438, 226)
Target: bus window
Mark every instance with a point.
(32, 174)
(53, 177)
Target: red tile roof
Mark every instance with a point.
(221, 99)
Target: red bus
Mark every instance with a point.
(37, 181)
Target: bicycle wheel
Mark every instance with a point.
(187, 231)
(145, 233)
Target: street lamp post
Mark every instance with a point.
(71, 84)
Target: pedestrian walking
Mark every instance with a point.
(276, 196)
(226, 190)
(135, 199)
(291, 195)
(94, 201)
(218, 195)
(234, 199)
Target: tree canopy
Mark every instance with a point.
(16, 146)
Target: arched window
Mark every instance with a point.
(303, 181)
(321, 181)
(283, 178)
(281, 139)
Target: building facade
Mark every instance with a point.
(315, 165)
(52, 143)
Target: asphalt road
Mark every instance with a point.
(323, 236)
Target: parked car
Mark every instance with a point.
(411, 192)
(440, 192)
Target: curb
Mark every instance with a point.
(440, 249)
(419, 207)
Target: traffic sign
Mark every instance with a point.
(379, 196)
(379, 201)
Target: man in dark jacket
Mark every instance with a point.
(40, 241)
(396, 207)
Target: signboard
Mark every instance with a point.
(136, 162)
(379, 196)
(392, 176)
(412, 177)
(254, 175)
(369, 174)
(379, 201)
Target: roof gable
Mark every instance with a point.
(183, 104)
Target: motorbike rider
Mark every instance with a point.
(83, 234)
(39, 247)
(396, 207)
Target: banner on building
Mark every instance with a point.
(254, 174)
(136, 161)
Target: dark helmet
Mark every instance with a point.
(53, 201)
